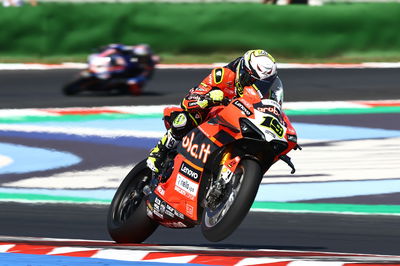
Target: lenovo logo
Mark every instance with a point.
(189, 171)
(243, 108)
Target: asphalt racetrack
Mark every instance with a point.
(372, 234)
(42, 88)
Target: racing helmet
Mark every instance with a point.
(142, 50)
(255, 65)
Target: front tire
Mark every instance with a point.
(77, 86)
(219, 222)
(127, 216)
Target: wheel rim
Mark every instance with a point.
(130, 200)
(213, 217)
(127, 206)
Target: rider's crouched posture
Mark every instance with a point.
(137, 63)
(255, 68)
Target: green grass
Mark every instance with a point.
(203, 32)
(207, 59)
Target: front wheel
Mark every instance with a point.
(77, 86)
(226, 214)
(127, 216)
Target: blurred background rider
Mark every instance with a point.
(138, 63)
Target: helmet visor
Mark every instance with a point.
(248, 77)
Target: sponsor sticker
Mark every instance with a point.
(189, 171)
(186, 187)
(170, 214)
(189, 210)
(197, 151)
(160, 190)
(175, 224)
(270, 109)
(242, 107)
(180, 215)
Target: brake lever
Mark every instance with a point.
(287, 160)
(226, 101)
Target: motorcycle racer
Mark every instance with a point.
(137, 65)
(256, 68)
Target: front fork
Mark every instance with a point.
(227, 167)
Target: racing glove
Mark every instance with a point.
(213, 97)
(216, 96)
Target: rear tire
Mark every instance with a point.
(127, 219)
(218, 224)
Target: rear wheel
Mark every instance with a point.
(226, 213)
(127, 216)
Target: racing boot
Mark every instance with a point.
(158, 154)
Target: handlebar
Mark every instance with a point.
(225, 101)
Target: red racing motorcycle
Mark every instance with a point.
(211, 179)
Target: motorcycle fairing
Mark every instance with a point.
(180, 191)
(269, 107)
(181, 188)
(272, 108)
(197, 147)
(165, 214)
(242, 106)
(201, 148)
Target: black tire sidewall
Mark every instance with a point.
(74, 87)
(138, 226)
(79, 85)
(241, 205)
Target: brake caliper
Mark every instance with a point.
(228, 168)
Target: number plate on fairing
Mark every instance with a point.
(267, 119)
